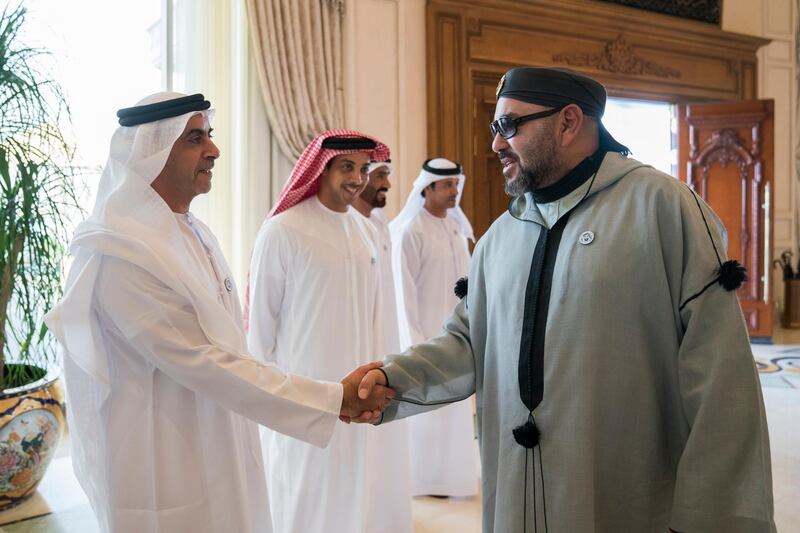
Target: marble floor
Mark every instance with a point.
(60, 505)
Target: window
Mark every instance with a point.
(104, 57)
(648, 128)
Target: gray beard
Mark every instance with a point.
(544, 167)
(530, 179)
(521, 185)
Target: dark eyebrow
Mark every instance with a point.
(347, 161)
(199, 131)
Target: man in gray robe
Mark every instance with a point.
(616, 389)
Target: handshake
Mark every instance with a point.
(365, 394)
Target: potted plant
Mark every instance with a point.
(37, 200)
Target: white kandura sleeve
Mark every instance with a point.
(163, 328)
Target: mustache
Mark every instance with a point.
(382, 189)
(507, 154)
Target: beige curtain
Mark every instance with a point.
(298, 45)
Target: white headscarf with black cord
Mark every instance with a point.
(432, 171)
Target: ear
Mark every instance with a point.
(572, 120)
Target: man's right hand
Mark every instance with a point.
(364, 399)
(373, 378)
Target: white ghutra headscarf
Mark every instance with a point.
(433, 170)
(375, 165)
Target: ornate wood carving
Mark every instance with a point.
(725, 146)
(618, 57)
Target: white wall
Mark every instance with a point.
(385, 94)
(743, 16)
(777, 79)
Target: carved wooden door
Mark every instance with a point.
(726, 156)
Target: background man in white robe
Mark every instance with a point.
(160, 384)
(602, 335)
(430, 254)
(315, 307)
(370, 204)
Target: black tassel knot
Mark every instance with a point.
(527, 435)
(732, 275)
(462, 285)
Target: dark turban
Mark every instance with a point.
(558, 87)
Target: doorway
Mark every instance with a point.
(648, 128)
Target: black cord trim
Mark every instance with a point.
(533, 476)
(697, 295)
(708, 229)
(428, 404)
(541, 477)
(513, 199)
(525, 497)
(730, 274)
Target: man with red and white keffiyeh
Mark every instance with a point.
(315, 308)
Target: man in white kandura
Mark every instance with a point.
(370, 203)
(316, 308)
(159, 379)
(430, 254)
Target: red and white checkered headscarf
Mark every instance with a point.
(304, 181)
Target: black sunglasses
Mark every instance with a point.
(506, 127)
